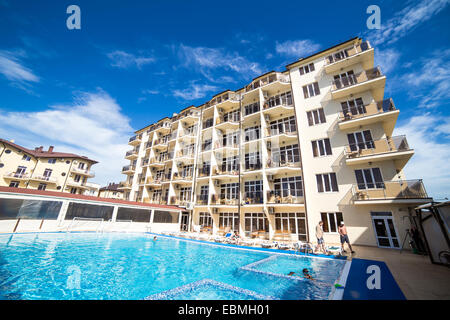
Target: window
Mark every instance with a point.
(306, 69)
(232, 116)
(47, 173)
(185, 194)
(229, 220)
(20, 172)
(253, 191)
(208, 123)
(344, 79)
(7, 151)
(253, 161)
(77, 178)
(230, 164)
(159, 174)
(26, 157)
(337, 56)
(331, 221)
(205, 169)
(284, 155)
(207, 144)
(290, 186)
(369, 178)
(14, 184)
(81, 165)
(52, 160)
(353, 107)
(229, 191)
(285, 125)
(73, 190)
(156, 195)
(311, 90)
(42, 186)
(187, 171)
(284, 99)
(252, 133)
(205, 219)
(326, 182)
(251, 108)
(230, 139)
(321, 147)
(255, 222)
(293, 222)
(204, 193)
(316, 117)
(360, 140)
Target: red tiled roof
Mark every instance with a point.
(83, 197)
(111, 187)
(46, 154)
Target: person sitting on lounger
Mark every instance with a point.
(236, 235)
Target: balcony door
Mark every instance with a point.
(360, 140)
(385, 231)
(344, 79)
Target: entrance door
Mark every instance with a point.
(185, 221)
(385, 231)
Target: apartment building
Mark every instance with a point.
(313, 142)
(44, 169)
(111, 191)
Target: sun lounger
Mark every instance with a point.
(269, 244)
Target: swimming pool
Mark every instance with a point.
(133, 266)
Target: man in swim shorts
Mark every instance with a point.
(344, 237)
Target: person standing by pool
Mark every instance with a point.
(344, 237)
(319, 236)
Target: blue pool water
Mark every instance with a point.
(133, 266)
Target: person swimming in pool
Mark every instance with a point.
(155, 238)
(305, 272)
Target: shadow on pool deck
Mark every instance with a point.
(416, 276)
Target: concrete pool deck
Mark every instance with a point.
(416, 276)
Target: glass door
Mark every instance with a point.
(385, 230)
(184, 221)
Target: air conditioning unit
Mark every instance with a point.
(217, 183)
(220, 110)
(271, 210)
(215, 210)
(189, 206)
(267, 117)
(266, 94)
(269, 145)
(270, 177)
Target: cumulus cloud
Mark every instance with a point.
(13, 69)
(386, 59)
(429, 136)
(296, 48)
(194, 91)
(406, 21)
(124, 60)
(93, 125)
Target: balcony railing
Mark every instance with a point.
(229, 96)
(392, 144)
(253, 166)
(358, 78)
(202, 199)
(177, 176)
(149, 144)
(344, 54)
(277, 132)
(279, 103)
(204, 172)
(360, 111)
(234, 118)
(390, 190)
(217, 171)
(128, 168)
(222, 199)
(187, 154)
(86, 172)
(284, 196)
(266, 80)
(277, 163)
(135, 138)
(255, 197)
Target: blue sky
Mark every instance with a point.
(135, 62)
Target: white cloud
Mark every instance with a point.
(430, 84)
(406, 20)
(207, 59)
(428, 135)
(125, 60)
(194, 91)
(13, 69)
(297, 48)
(93, 126)
(386, 59)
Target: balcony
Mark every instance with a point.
(158, 162)
(204, 172)
(46, 179)
(393, 148)
(185, 154)
(362, 53)
(84, 172)
(226, 100)
(371, 79)
(124, 185)
(202, 200)
(148, 145)
(222, 200)
(163, 127)
(274, 134)
(362, 115)
(283, 197)
(255, 197)
(128, 169)
(134, 141)
(132, 154)
(249, 167)
(278, 106)
(184, 178)
(402, 191)
(17, 176)
(153, 182)
(272, 83)
(161, 143)
(77, 184)
(228, 123)
(230, 172)
(277, 166)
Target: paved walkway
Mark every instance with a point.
(415, 274)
